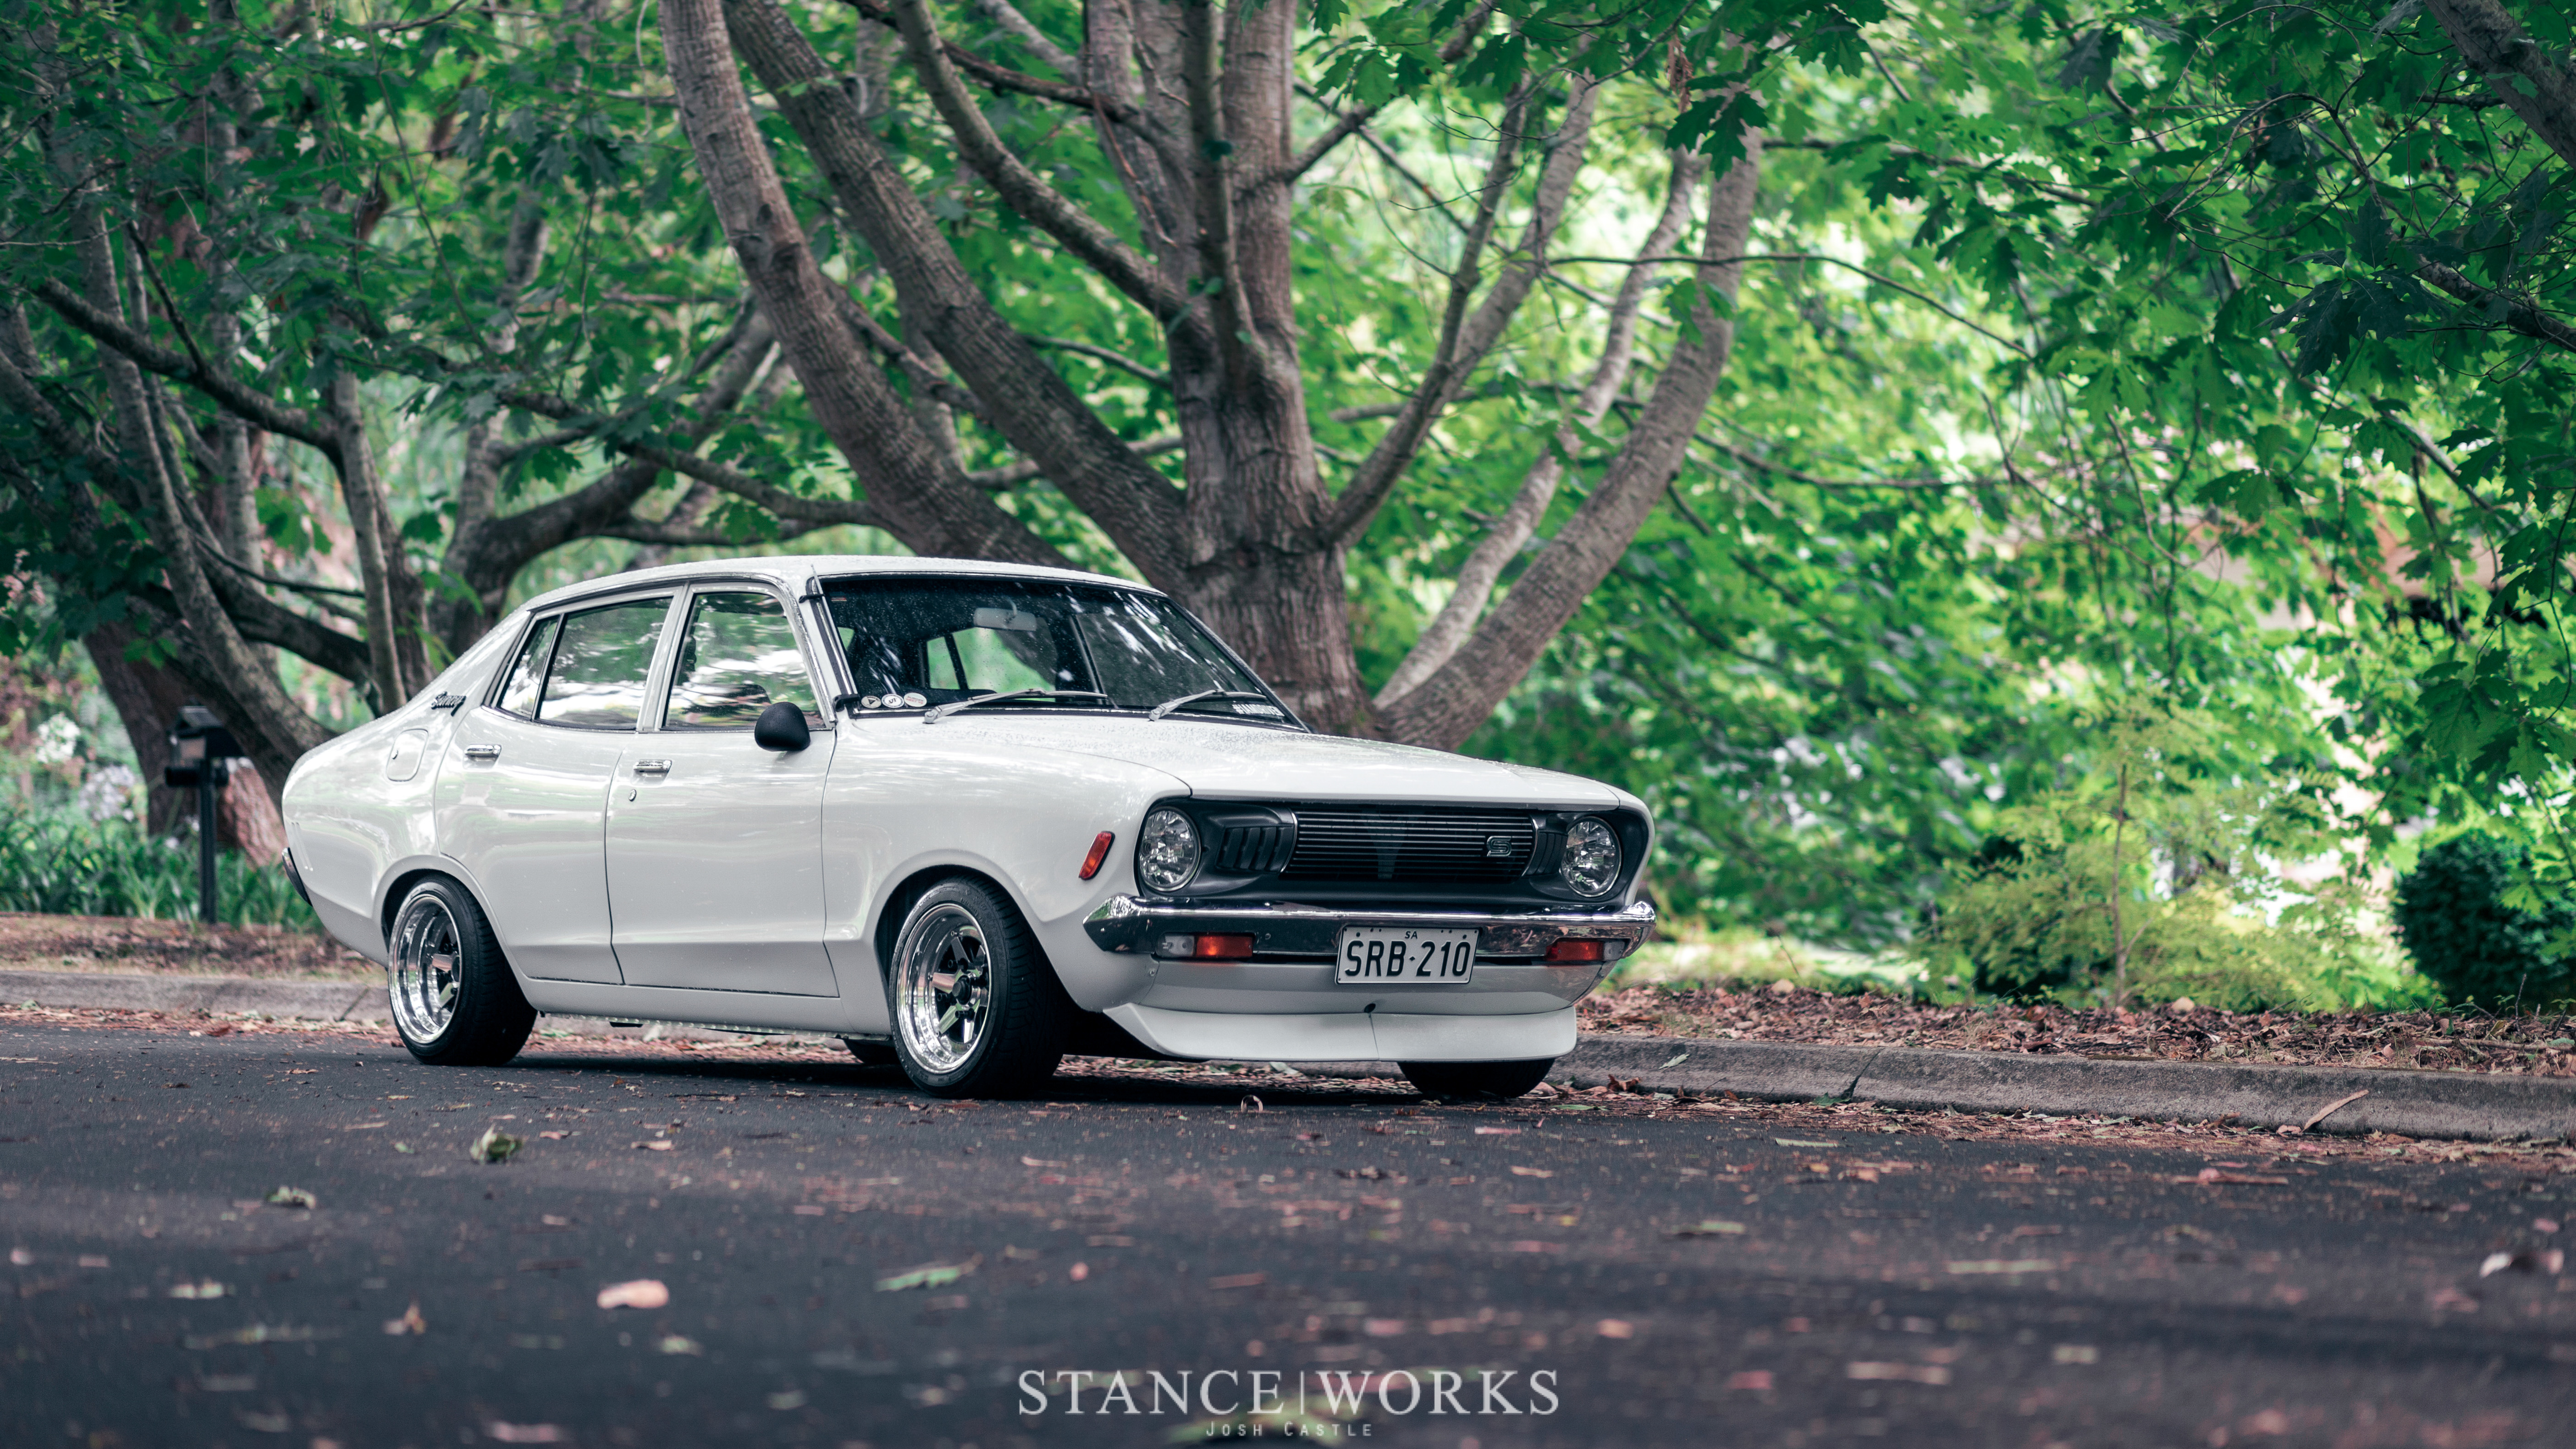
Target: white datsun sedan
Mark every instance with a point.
(967, 817)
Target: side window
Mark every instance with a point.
(600, 665)
(520, 693)
(737, 658)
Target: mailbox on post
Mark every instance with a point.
(202, 752)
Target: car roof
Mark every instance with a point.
(794, 571)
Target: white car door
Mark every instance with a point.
(524, 786)
(715, 845)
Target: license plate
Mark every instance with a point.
(1403, 955)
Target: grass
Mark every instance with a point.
(1742, 954)
(2372, 976)
(63, 863)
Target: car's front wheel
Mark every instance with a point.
(455, 1003)
(1471, 1080)
(977, 1010)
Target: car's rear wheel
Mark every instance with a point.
(455, 1003)
(977, 1010)
(1505, 1080)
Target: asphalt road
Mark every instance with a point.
(845, 1262)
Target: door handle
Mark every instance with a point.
(652, 767)
(482, 752)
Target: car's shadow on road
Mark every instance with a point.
(1086, 1084)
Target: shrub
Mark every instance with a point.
(63, 863)
(2452, 916)
(2150, 876)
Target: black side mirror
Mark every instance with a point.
(781, 727)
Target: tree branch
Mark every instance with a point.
(1444, 708)
(1096, 353)
(2517, 314)
(925, 500)
(1029, 197)
(243, 402)
(1347, 124)
(1006, 15)
(1474, 585)
(1465, 340)
(2499, 50)
(1008, 385)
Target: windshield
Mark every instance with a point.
(946, 640)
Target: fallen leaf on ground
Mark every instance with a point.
(2004, 1265)
(1497, 1131)
(294, 1197)
(658, 1144)
(2213, 1175)
(1615, 1328)
(554, 1136)
(1712, 1228)
(639, 1293)
(2075, 1353)
(1912, 1373)
(255, 1333)
(677, 1343)
(1802, 1142)
(207, 1289)
(1039, 1162)
(410, 1322)
(934, 1275)
(494, 1145)
(1533, 1172)
(525, 1433)
(1240, 1280)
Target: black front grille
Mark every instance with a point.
(1364, 845)
(1249, 843)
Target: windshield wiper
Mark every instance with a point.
(1167, 706)
(945, 710)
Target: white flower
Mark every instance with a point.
(57, 740)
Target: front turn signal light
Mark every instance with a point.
(1099, 852)
(1214, 947)
(1571, 952)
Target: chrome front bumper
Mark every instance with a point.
(1132, 925)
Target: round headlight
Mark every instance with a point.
(1591, 856)
(1167, 851)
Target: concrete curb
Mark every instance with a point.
(2475, 1105)
(362, 1001)
(2472, 1105)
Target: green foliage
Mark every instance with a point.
(61, 862)
(2148, 878)
(2130, 383)
(2455, 918)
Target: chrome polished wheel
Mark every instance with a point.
(943, 986)
(425, 968)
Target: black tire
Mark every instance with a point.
(873, 1053)
(967, 933)
(469, 1013)
(1472, 1080)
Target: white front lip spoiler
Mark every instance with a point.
(1132, 924)
(1349, 1036)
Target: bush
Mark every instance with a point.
(65, 864)
(2453, 918)
(2150, 877)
